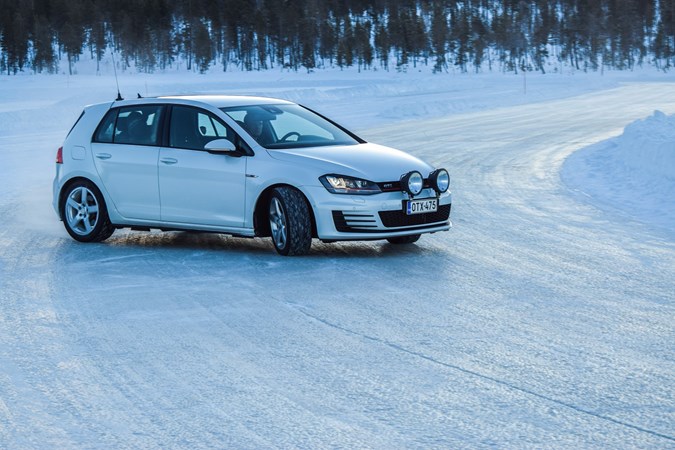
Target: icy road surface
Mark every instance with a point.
(538, 321)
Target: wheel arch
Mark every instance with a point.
(261, 223)
(77, 178)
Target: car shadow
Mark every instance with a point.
(175, 244)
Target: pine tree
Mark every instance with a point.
(363, 49)
(203, 47)
(43, 42)
(345, 52)
(382, 44)
(14, 40)
(439, 36)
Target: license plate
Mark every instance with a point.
(421, 206)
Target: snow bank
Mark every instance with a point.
(633, 173)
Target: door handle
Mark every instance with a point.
(103, 155)
(169, 160)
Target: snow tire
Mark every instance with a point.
(290, 222)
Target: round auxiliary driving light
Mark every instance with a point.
(412, 182)
(440, 180)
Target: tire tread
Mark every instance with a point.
(298, 222)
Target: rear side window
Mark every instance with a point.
(136, 125)
(105, 130)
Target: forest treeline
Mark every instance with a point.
(506, 35)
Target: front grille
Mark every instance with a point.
(390, 186)
(398, 218)
(362, 222)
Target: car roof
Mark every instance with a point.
(215, 101)
(221, 101)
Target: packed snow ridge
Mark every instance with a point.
(634, 172)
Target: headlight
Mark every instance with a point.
(340, 184)
(440, 180)
(412, 182)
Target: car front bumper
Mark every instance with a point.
(362, 217)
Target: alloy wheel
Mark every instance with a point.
(81, 211)
(278, 223)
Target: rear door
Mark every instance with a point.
(126, 150)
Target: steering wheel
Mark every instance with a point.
(287, 135)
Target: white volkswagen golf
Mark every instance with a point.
(244, 166)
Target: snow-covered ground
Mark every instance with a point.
(544, 318)
(633, 174)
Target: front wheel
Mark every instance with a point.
(404, 239)
(84, 213)
(290, 222)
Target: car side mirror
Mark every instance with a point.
(220, 146)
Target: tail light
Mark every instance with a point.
(59, 156)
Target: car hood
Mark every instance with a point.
(369, 161)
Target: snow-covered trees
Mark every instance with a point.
(509, 35)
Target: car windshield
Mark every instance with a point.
(288, 126)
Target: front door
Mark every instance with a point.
(198, 187)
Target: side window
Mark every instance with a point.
(192, 128)
(207, 126)
(138, 125)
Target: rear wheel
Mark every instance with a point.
(84, 213)
(404, 239)
(290, 222)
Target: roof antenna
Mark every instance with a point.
(139, 95)
(119, 96)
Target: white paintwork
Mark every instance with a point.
(220, 145)
(202, 188)
(128, 173)
(369, 161)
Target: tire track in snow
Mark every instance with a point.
(473, 373)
